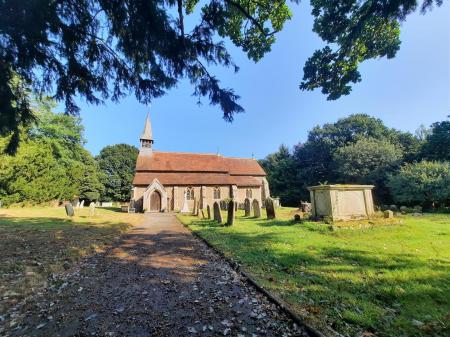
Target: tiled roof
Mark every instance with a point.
(175, 168)
(188, 178)
(192, 162)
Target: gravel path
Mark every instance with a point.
(157, 280)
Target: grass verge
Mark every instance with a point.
(38, 243)
(386, 280)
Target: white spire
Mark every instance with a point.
(147, 133)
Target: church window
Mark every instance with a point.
(248, 193)
(216, 192)
(190, 193)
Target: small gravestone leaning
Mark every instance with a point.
(217, 214)
(388, 214)
(92, 209)
(208, 211)
(231, 213)
(256, 209)
(69, 209)
(270, 209)
(247, 207)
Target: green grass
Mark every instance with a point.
(37, 243)
(381, 279)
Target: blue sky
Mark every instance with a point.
(405, 92)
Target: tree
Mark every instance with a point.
(437, 143)
(368, 161)
(117, 163)
(100, 49)
(281, 175)
(50, 163)
(426, 183)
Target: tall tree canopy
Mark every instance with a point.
(355, 149)
(101, 49)
(50, 163)
(117, 163)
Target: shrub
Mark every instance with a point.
(426, 183)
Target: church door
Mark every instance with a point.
(155, 202)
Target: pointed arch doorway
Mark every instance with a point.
(155, 201)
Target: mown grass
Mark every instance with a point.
(38, 243)
(387, 280)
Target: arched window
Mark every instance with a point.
(216, 192)
(248, 193)
(190, 193)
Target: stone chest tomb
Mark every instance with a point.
(341, 202)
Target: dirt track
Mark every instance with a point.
(157, 280)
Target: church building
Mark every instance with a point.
(165, 181)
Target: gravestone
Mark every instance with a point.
(69, 209)
(78, 204)
(305, 207)
(195, 210)
(92, 209)
(256, 209)
(247, 207)
(217, 215)
(82, 204)
(208, 211)
(231, 213)
(270, 209)
(388, 214)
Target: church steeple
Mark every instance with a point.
(147, 138)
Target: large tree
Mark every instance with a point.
(100, 49)
(117, 163)
(437, 142)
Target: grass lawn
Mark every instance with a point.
(388, 280)
(36, 243)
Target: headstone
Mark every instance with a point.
(217, 215)
(270, 209)
(69, 209)
(78, 204)
(388, 214)
(92, 209)
(195, 210)
(197, 207)
(185, 208)
(247, 207)
(82, 204)
(208, 211)
(256, 209)
(305, 207)
(231, 213)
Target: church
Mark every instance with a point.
(166, 181)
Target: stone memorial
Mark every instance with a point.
(208, 211)
(217, 214)
(256, 209)
(231, 213)
(69, 209)
(185, 208)
(341, 202)
(194, 209)
(247, 206)
(82, 204)
(78, 205)
(388, 214)
(92, 209)
(305, 207)
(270, 209)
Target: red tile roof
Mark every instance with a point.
(174, 168)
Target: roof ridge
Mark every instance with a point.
(205, 154)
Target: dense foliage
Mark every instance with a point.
(357, 149)
(100, 49)
(117, 163)
(426, 183)
(51, 163)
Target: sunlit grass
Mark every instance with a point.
(387, 279)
